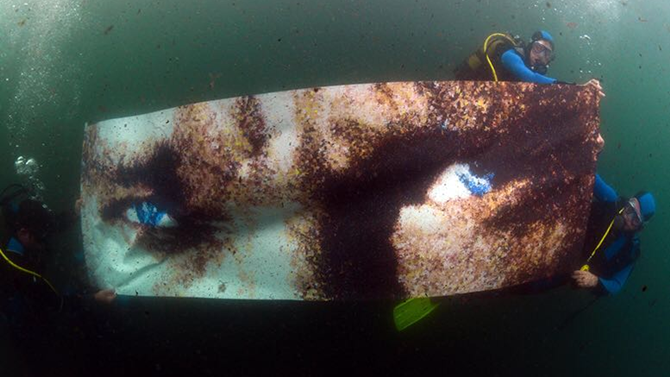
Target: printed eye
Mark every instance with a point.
(477, 185)
(146, 213)
(458, 181)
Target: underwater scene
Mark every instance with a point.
(254, 187)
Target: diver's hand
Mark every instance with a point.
(600, 142)
(596, 84)
(584, 279)
(77, 206)
(105, 296)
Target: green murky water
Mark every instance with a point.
(64, 63)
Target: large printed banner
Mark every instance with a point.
(386, 190)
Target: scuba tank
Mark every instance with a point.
(483, 64)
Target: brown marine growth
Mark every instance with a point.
(354, 173)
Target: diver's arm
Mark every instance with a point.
(514, 63)
(613, 286)
(84, 301)
(604, 192)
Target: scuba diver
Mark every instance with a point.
(612, 238)
(23, 250)
(611, 243)
(26, 225)
(34, 316)
(507, 58)
(504, 57)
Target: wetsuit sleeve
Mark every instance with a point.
(613, 286)
(604, 192)
(514, 63)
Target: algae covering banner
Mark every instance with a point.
(387, 190)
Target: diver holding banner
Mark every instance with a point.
(504, 57)
(614, 248)
(27, 225)
(613, 237)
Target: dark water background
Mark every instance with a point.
(64, 63)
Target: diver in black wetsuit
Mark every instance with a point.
(37, 319)
(30, 305)
(27, 224)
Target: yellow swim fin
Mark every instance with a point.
(412, 311)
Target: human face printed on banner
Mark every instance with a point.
(349, 192)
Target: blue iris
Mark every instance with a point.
(477, 185)
(148, 214)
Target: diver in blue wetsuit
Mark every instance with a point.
(530, 64)
(614, 225)
(506, 58)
